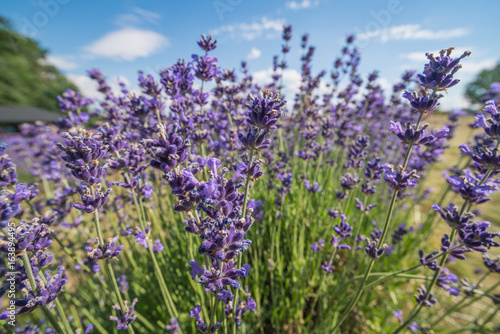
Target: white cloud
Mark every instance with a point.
(254, 54)
(419, 57)
(411, 31)
(474, 67)
(385, 84)
(88, 87)
(471, 67)
(138, 16)
(291, 81)
(249, 31)
(61, 62)
(127, 44)
(304, 4)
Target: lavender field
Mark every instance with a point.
(209, 201)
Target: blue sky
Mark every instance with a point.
(123, 36)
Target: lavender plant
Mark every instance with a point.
(205, 202)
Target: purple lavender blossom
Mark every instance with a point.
(8, 171)
(125, 317)
(438, 73)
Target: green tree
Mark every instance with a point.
(481, 84)
(25, 77)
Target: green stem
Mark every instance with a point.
(458, 306)
(355, 300)
(97, 224)
(213, 311)
(453, 233)
(247, 185)
(368, 270)
(243, 214)
(167, 298)
(70, 253)
(52, 320)
(111, 275)
(109, 268)
(31, 278)
(63, 316)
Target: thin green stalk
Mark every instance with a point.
(163, 287)
(354, 301)
(245, 202)
(60, 310)
(458, 306)
(52, 320)
(453, 233)
(247, 185)
(145, 322)
(111, 275)
(63, 316)
(108, 266)
(369, 268)
(97, 223)
(70, 253)
(323, 280)
(492, 315)
(7, 328)
(31, 278)
(213, 311)
(159, 275)
(46, 188)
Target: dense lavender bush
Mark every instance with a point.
(206, 202)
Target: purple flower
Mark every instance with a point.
(168, 151)
(451, 215)
(422, 102)
(32, 236)
(173, 327)
(206, 43)
(158, 246)
(492, 265)
(327, 267)
(8, 171)
(400, 180)
(82, 153)
(111, 250)
(318, 246)
(46, 293)
(476, 237)
(399, 315)
(91, 203)
(71, 101)
(445, 281)
(314, 188)
(125, 317)
(205, 67)
(265, 112)
(438, 73)
(467, 188)
(360, 206)
(414, 327)
(344, 229)
(483, 156)
(428, 261)
(412, 136)
(335, 243)
(373, 251)
(421, 298)
(195, 313)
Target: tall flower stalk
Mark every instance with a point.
(437, 76)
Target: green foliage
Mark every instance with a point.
(26, 79)
(481, 84)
